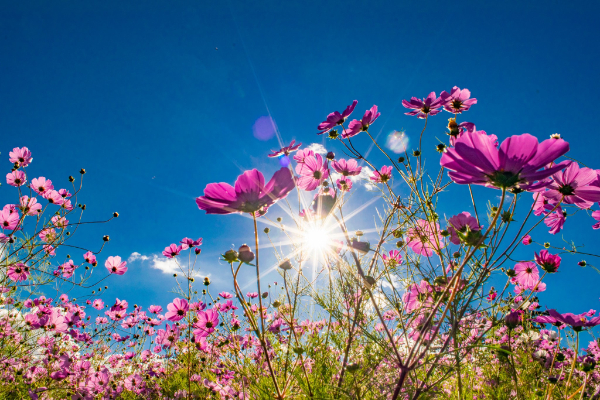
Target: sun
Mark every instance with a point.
(316, 239)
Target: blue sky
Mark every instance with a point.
(156, 100)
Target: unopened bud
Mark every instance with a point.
(245, 254)
(285, 265)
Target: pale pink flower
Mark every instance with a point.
(16, 178)
(114, 265)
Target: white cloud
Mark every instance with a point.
(137, 256)
(166, 265)
(317, 148)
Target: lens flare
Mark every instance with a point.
(284, 160)
(397, 141)
(316, 238)
(264, 128)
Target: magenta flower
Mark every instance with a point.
(577, 322)
(207, 323)
(335, 118)
(527, 240)
(67, 269)
(53, 197)
(29, 206)
(250, 194)
(346, 167)
(476, 160)
(177, 309)
(18, 272)
(417, 296)
(90, 258)
(57, 321)
(356, 126)
(457, 100)
(9, 219)
(392, 259)
(312, 172)
(541, 204)
(575, 185)
(301, 155)
(462, 223)
(548, 262)
(383, 175)
(20, 155)
(172, 251)
(16, 178)
(527, 274)
(41, 185)
(287, 150)
(424, 239)
(155, 309)
(187, 243)
(98, 304)
(430, 105)
(596, 216)
(225, 295)
(556, 220)
(114, 265)
(344, 184)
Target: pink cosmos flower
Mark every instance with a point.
(312, 172)
(574, 185)
(114, 265)
(356, 126)
(287, 150)
(47, 235)
(422, 238)
(67, 269)
(41, 185)
(18, 272)
(120, 305)
(301, 155)
(133, 382)
(64, 298)
(335, 118)
(346, 167)
(417, 296)
(98, 304)
(527, 240)
(577, 322)
(29, 206)
(50, 250)
(54, 198)
(225, 295)
(187, 243)
(20, 155)
(462, 223)
(527, 274)
(548, 262)
(430, 105)
(60, 222)
(64, 193)
(515, 165)
(250, 194)
(177, 309)
(207, 322)
(457, 100)
(155, 309)
(344, 184)
(392, 259)
(16, 178)
(252, 295)
(172, 251)
(90, 258)
(57, 321)
(9, 220)
(596, 216)
(556, 220)
(383, 175)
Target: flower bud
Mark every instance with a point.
(361, 247)
(330, 155)
(511, 273)
(106, 238)
(206, 281)
(400, 160)
(513, 319)
(82, 171)
(245, 254)
(399, 244)
(285, 265)
(333, 134)
(197, 250)
(265, 295)
(230, 256)
(582, 263)
(276, 304)
(267, 230)
(116, 215)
